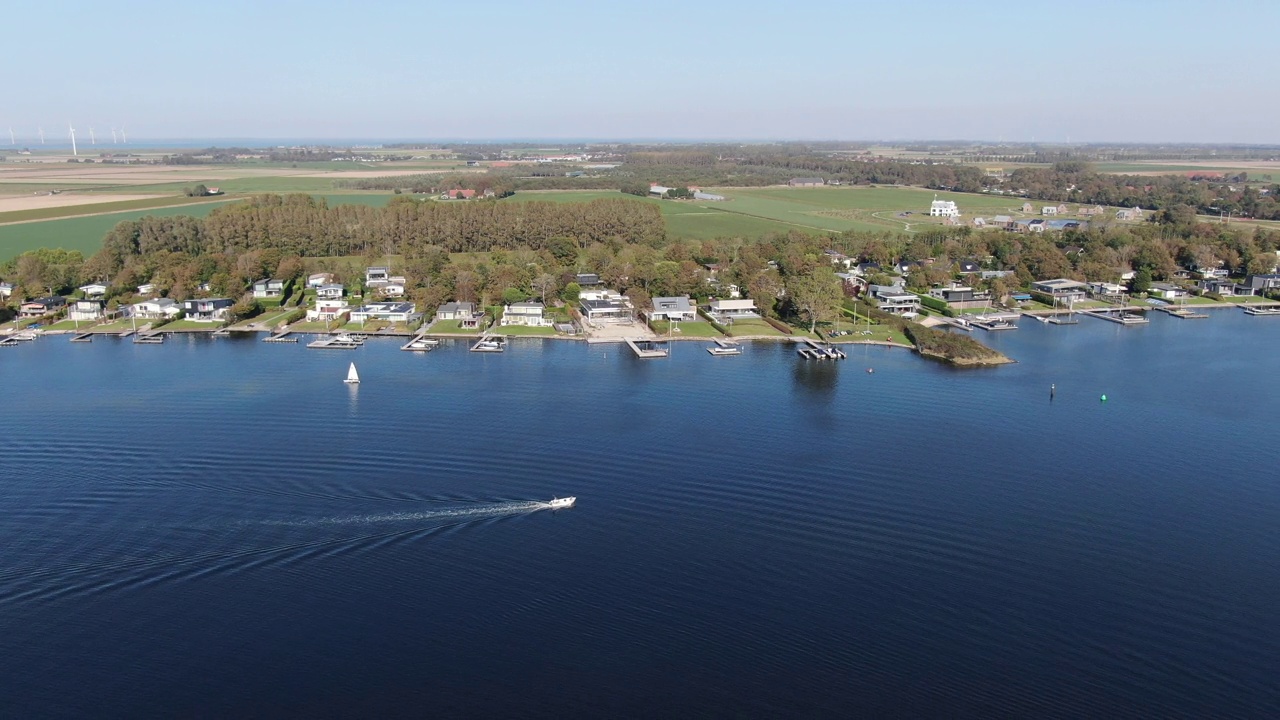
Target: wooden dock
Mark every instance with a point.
(283, 337)
(958, 323)
(995, 321)
(1262, 311)
(488, 344)
(336, 342)
(83, 337)
(1123, 317)
(724, 348)
(1184, 313)
(149, 338)
(647, 349)
(421, 343)
(813, 350)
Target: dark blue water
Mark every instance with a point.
(222, 528)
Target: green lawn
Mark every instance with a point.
(754, 326)
(697, 328)
(188, 325)
(522, 330)
(309, 327)
(450, 327)
(105, 207)
(1246, 299)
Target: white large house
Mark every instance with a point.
(84, 310)
(723, 310)
(943, 208)
(389, 311)
(673, 308)
(525, 313)
(327, 309)
(154, 309)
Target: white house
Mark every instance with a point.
(330, 291)
(268, 288)
(376, 275)
(1129, 214)
(83, 310)
(1049, 210)
(316, 280)
(389, 311)
(723, 310)
(393, 287)
(147, 289)
(673, 308)
(1166, 291)
(943, 208)
(525, 313)
(327, 309)
(93, 291)
(154, 309)
(606, 306)
(895, 300)
(6, 290)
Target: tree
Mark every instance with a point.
(815, 295)
(544, 284)
(570, 293)
(1141, 281)
(512, 295)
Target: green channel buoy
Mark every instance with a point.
(1104, 398)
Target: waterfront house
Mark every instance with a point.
(605, 306)
(1263, 283)
(147, 289)
(1226, 288)
(528, 314)
(895, 300)
(93, 291)
(1061, 290)
(6, 290)
(388, 311)
(327, 309)
(268, 288)
(207, 309)
(154, 309)
(1106, 292)
(1166, 291)
(724, 310)
(392, 288)
(456, 311)
(318, 280)
(953, 294)
(806, 182)
(85, 310)
(673, 308)
(330, 291)
(41, 306)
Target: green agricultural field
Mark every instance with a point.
(79, 233)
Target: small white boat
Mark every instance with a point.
(353, 377)
(557, 503)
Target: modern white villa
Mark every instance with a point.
(725, 310)
(154, 309)
(389, 311)
(680, 309)
(529, 314)
(327, 309)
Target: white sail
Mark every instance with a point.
(352, 375)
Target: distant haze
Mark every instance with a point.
(1088, 71)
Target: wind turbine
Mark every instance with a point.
(11, 140)
(72, 131)
(92, 140)
(40, 128)
(113, 136)
(124, 138)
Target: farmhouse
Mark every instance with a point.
(806, 182)
(943, 208)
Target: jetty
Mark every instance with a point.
(83, 337)
(489, 344)
(283, 337)
(1121, 316)
(1262, 311)
(152, 337)
(725, 347)
(955, 322)
(995, 321)
(1183, 312)
(813, 350)
(337, 342)
(421, 343)
(647, 349)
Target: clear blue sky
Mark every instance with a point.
(1125, 70)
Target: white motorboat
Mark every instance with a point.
(718, 350)
(353, 377)
(557, 503)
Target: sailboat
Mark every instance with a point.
(352, 376)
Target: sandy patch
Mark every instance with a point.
(36, 202)
(108, 174)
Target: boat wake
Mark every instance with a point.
(489, 510)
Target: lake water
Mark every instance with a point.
(222, 528)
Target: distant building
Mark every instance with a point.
(943, 208)
(1049, 210)
(93, 291)
(806, 182)
(659, 190)
(6, 290)
(147, 289)
(712, 197)
(1028, 208)
(1134, 213)
(1096, 210)
(586, 280)
(316, 280)
(268, 288)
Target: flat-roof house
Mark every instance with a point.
(330, 291)
(41, 306)
(587, 279)
(147, 289)
(1061, 289)
(1226, 287)
(207, 309)
(376, 275)
(968, 267)
(1106, 292)
(1262, 283)
(528, 314)
(606, 306)
(388, 311)
(956, 293)
(93, 291)
(673, 308)
(154, 309)
(806, 182)
(723, 310)
(892, 299)
(268, 288)
(1166, 291)
(327, 309)
(316, 280)
(993, 274)
(85, 310)
(6, 290)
